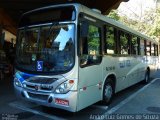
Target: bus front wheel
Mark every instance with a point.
(108, 91)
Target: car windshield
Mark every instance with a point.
(46, 48)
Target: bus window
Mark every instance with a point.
(152, 49)
(148, 48)
(156, 50)
(142, 47)
(123, 43)
(138, 47)
(110, 40)
(91, 46)
(134, 45)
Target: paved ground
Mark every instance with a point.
(137, 102)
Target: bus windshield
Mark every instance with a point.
(47, 48)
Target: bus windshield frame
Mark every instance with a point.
(48, 15)
(37, 45)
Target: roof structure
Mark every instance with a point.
(11, 10)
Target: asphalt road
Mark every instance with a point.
(135, 102)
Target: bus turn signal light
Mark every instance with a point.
(71, 81)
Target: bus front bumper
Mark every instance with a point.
(66, 101)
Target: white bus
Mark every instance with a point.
(69, 57)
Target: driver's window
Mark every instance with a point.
(91, 46)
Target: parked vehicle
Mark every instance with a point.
(70, 57)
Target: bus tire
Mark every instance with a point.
(147, 77)
(108, 91)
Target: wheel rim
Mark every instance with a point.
(108, 92)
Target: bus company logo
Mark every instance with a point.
(36, 87)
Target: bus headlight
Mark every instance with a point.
(64, 87)
(17, 82)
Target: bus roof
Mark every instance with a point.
(81, 8)
(115, 23)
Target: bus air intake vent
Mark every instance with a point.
(38, 96)
(43, 80)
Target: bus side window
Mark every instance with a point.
(148, 48)
(134, 45)
(124, 43)
(156, 50)
(110, 40)
(142, 47)
(152, 49)
(91, 46)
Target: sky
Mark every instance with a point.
(136, 8)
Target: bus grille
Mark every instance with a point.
(42, 87)
(30, 86)
(38, 96)
(43, 80)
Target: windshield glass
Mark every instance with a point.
(46, 48)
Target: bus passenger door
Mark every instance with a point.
(90, 68)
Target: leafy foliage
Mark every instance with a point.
(114, 15)
(148, 24)
(93, 37)
(110, 38)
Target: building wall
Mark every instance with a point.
(9, 36)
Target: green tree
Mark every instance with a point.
(93, 38)
(155, 23)
(148, 23)
(114, 15)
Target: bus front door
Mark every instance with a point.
(90, 79)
